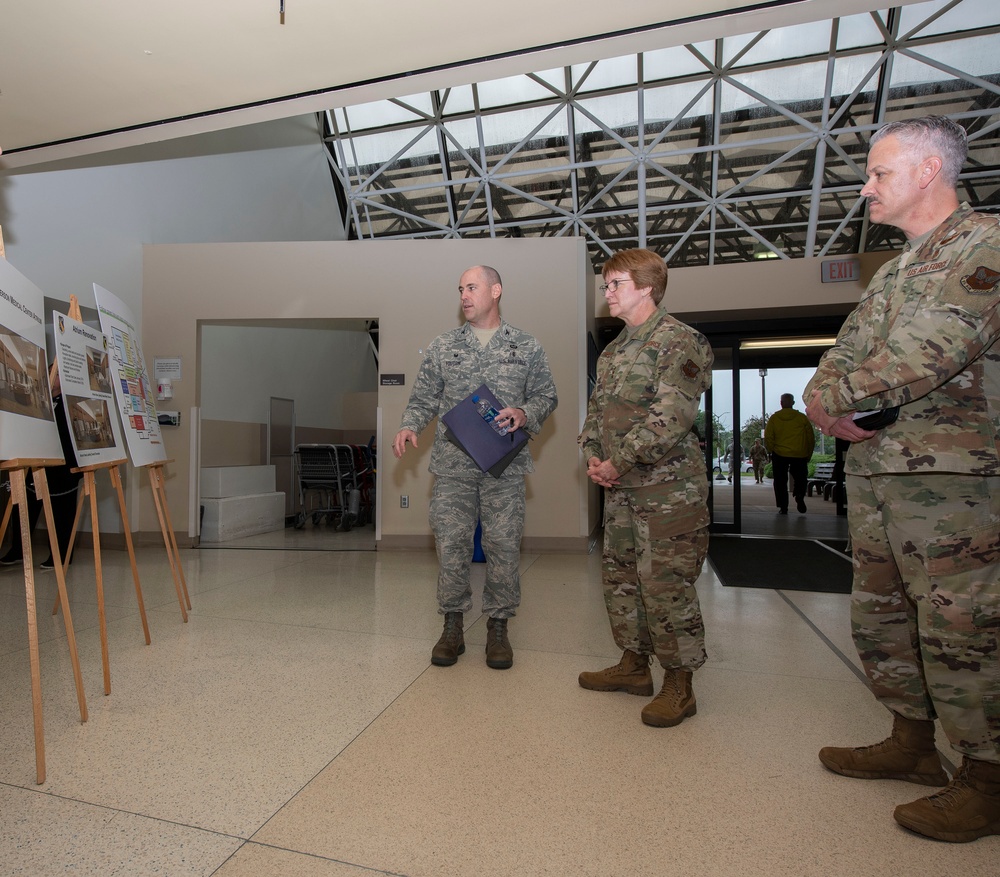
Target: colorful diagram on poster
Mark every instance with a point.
(130, 380)
(87, 386)
(28, 428)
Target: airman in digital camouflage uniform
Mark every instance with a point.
(485, 350)
(924, 491)
(639, 445)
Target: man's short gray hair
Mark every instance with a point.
(932, 135)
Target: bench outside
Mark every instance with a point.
(822, 480)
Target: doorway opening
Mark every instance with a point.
(324, 374)
(755, 363)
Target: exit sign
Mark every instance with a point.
(841, 270)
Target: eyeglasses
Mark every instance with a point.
(614, 284)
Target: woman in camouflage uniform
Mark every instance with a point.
(639, 444)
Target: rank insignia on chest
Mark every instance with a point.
(981, 281)
(690, 369)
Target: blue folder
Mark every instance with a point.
(489, 450)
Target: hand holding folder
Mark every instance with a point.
(489, 450)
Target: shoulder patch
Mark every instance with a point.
(690, 369)
(982, 281)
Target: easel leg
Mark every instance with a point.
(90, 489)
(19, 497)
(173, 544)
(117, 482)
(155, 481)
(42, 492)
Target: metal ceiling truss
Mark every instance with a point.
(770, 179)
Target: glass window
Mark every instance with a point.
(669, 64)
(783, 85)
(860, 30)
(967, 15)
(457, 100)
(371, 150)
(533, 122)
(510, 91)
(612, 73)
(784, 42)
(377, 115)
(756, 156)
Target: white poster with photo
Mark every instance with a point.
(87, 390)
(28, 428)
(133, 392)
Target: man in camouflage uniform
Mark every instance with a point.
(485, 350)
(924, 491)
(639, 444)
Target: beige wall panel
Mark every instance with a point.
(411, 286)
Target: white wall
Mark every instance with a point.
(243, 366)
(411, 287)
(69, 225)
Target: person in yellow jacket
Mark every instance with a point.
(790, 440)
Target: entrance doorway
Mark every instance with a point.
(755, 363)
(325, 372)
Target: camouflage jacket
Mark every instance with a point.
(513, 365)
(924, 337)
(646, 399)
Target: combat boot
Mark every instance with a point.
(966, 809)
(907, 754)
(630, 674)
(452, 642)
(674, 703)
(499, 654)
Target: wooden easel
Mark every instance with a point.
(90, 489)
(157, 483)
(19, 497)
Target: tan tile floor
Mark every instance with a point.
(294, 727)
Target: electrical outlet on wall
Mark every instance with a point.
(404, 502)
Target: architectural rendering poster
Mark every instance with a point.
(88, 397)
(28, 428)
(130, 380)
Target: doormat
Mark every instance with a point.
(781, 564)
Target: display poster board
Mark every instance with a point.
(133, 392)
(27, 419)
(84, 359)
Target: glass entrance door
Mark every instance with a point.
(724, 454)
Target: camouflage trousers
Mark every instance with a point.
(925, 609)
(655, 543)
(456, 506)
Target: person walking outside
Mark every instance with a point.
(789, 439)
(758, 459)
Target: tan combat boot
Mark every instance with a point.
(674, 703)
(908, 754)
(499, 654)
(630, 674)
(452, 642)
(966, 809)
